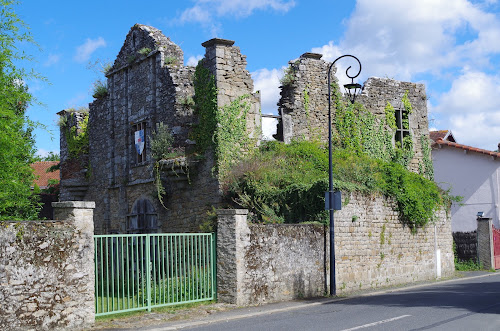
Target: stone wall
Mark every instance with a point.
(47, 271)
(303, 105)
(266, 263)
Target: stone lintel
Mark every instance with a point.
(315, 56)
(218, 41)
(232, 211)
(74, 204)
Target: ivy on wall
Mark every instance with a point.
(77, 135)
(231, 138)
(205, 99)
(221, 128)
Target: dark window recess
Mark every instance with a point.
(403, 126)
(143, 218)
(139, 143)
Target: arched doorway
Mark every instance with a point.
(143, 218)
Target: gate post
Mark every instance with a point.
(485, 242)
(233, 235)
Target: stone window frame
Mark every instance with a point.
(139, 159)
(402, 124)
(143, 218)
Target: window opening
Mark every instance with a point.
(139, 136)
(403, 126)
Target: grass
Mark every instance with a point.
(470, 265)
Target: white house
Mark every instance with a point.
(470, 172)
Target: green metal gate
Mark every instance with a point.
(142, 271)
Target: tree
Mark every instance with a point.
(17, 146)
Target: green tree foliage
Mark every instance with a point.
(17, 146)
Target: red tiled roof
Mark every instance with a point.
(441, 134)
(40, 169)
(442, 142)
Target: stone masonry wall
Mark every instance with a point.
(232, 79)
(303, 105)
(373, 249)
(378, 91)
(47, 271)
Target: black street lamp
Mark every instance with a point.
(333, 199)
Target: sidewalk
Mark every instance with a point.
(216, 312)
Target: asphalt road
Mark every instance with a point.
(469, 304)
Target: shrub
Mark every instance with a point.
(286, 182)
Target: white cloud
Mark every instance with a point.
(206, 12)
(268, 128)
(84, 51)
(471, 92)
(404, 38)
(438, 41)
(52, 59)
(267, 82)
(193, 60)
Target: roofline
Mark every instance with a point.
(442, 142)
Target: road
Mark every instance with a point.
(470, 304)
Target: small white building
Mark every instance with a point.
(470, 172)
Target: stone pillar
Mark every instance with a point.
(81, 215)
(485, 242)
(233, 234)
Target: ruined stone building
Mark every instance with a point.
(149, 84)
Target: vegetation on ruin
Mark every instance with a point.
(77, 134)
(144, 51)
(17, 145)
(222, 129)
(286, 182)
(288, 75)
(205, 99)
(100, 89)
(161, 142)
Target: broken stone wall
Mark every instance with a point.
(304, 103)
(149, 84)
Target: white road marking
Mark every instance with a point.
(377, 323)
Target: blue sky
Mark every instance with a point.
(452, 46)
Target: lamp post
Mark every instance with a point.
(333, 200)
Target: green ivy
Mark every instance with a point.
(426, 168)
(221, 128)
(77, 136)
(205, 99)
(306, 100)
(360, 131)
(390, 117)
(231, 138)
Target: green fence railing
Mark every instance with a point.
(143, 271)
